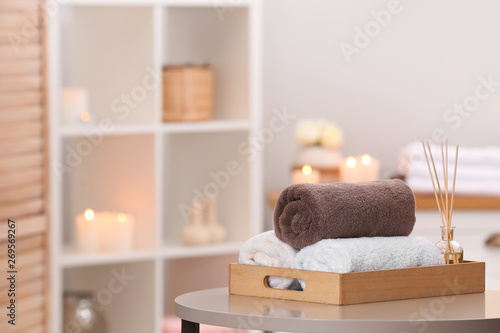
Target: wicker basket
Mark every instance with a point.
(187, 93)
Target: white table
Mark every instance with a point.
(472, 313)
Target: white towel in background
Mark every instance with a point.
(345, 255)
(267, 250)
(413, 156)
(463, 186)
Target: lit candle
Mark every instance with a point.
(370, 168)
(75, 106)
(306, 175)
(119, 233)
(87, 232)
(104, 232)
(350, 171)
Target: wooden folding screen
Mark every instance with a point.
(23, 161)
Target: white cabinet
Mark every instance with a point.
(129, 160)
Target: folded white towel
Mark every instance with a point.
(463, 186)
(412, 156)
(267, 250)
(464, 172)
(345, 255)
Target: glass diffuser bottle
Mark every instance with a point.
(451, 250)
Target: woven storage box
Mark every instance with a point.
(362, 287)
(187, 93)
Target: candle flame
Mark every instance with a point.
(121, 217)
(306, 169)
(89, 214)
(85, 116)
(350, 162)
(366, 159)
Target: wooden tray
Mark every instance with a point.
(362, 287)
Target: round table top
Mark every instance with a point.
(478, 313)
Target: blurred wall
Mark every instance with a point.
(420, 65)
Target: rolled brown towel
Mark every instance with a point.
(308, 213)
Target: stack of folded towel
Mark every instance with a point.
(341, 228)
(478, 173)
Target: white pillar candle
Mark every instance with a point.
(104, 232)
(370, 168)
(87, 232)
(75, 106)
(306, 175)
(116, 231)
(350, 170)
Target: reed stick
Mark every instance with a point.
(434, 186)
(445, 204)
(436, 174)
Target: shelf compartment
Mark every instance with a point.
(214, 270)
(117, 175)
(203, 165)
(71, 258)
(206, 126)
(182, 251)
(115, 285)
(112, 59)
(220, 42)
(82, 131)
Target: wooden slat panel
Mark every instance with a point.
(32, 287)
(29, 225)
(10, 20)
(20, 114)
(16, 36)
(20, 98)
(29, 273)
(13, 210)
(33, 318)
(14, 67)
(19, 5)
(20, 130)
(25, 51)
(27, 243)
(21, 161)
(26, 259)
(20, 145)
(23, 192)
(10, 179)
(20, 82)
(38, 328)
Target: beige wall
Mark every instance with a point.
(397, 89)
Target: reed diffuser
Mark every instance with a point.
(450, 249)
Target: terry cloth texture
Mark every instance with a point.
(267, 250)
(308, 213)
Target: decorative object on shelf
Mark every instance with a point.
(87, 232)
(306, 175)
(81, 315)
(75, 106)
(104, 231)
(450, 249)
(320, 142)
(493, 240)
(188, 93)
(217, 232)
(196, 232)
(359, 169)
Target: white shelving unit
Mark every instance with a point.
(141, 165)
